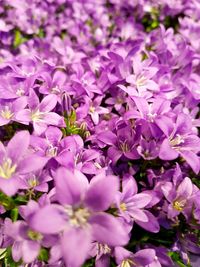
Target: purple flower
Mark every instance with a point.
(95, 110)
(54, 84)
(141, 258)
(8, 110)
(180, 140)
(102, 252)
(79, 218)
(122, 143)
(15, 162)
(40, 113)
(27, 242)
(131, 205)
(181, 198)
(141, 81)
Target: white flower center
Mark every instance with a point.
(7, 169)
(92, 109)
(141, 81)
(36, 115)
(103, 249)
(6, 113)
(52, 151)
(126, 263)
(33, 182)
(177, 140)
(78, 217)
(55, 90)
(20, 92)
(179, 205)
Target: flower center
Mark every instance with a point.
(33, 182)
(179, 205)
(55, 90)
(34, 235)
(78, 217)
(127, 263)
(52, 151)
(92, 109)
(103, 249)
(6, 113)
(36, 115)
(124, 146)
(177, 140)
(7, 169)
(141, 81)
(20, 92)
(123, 206)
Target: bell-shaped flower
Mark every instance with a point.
(131, 205)
(15, 161)
(80, 216)
(39, 114)
(180, 140)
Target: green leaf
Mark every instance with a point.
(175, 256)
(44, 255)
(14, 214)
(41, 33)
(6, 201)
(8, 260)
(89, 263)
(18, 39)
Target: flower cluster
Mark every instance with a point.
(99, 128)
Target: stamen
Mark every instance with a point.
(78, 217)
(6, 113)
(7, 169)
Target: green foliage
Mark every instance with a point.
(14, 214)
(6, 201)
(44, 255)
(89, 263)
(72, 127)
(18, 38)
(175, 256)
(8, 261)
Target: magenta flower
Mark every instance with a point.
(131, 205)
(40, 113)
(95, 110)
(54, 84)
(80, 216)
(121, 144)
(181, 198)
(141, 258)
(8, 110)
(180, 140)
(15, 162)
(141, 81)
(27, 242)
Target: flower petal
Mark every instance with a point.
(31, 163)
(144, 257)
(107, 137)
(48, 103)
(18, 145)
(192, 159)
(75, 245)
(152, 225)
(108, 230)
(70, 187)
(101, 192)
(167, 152)
(50, 219)
(141, 200)
(30, 250)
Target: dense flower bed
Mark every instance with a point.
(100, 147)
